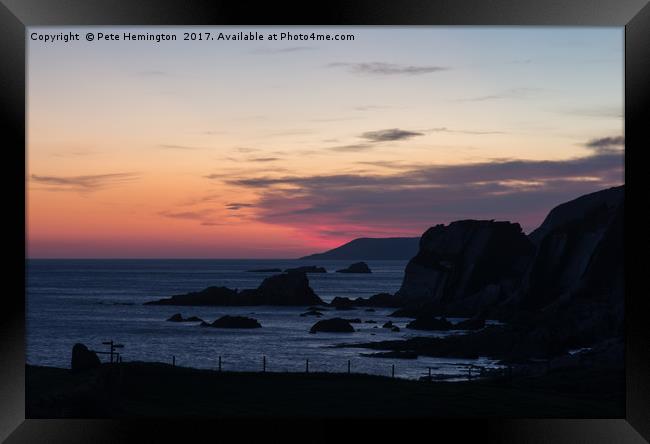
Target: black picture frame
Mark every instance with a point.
(16, 15)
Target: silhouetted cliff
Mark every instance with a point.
(573, 291)
(465, 266)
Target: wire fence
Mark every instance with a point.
(427, 373)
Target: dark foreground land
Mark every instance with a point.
(153, 389)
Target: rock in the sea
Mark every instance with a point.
(470, 324)
(290, 289)
(265, 270)
(208, 296)
(334, 325)
(312, 313)
(179, 318)
(388, 324)
(395, 329)
(306, 269)
(83, 358)
(377, 300)
(370, 321)
(357, 267)
(429, 323)
(286, 289)
(204, 324)
(235, 322)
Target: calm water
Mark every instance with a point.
(92, 301)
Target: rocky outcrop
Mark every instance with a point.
(429, 323)
(306, 269)
(334, 325)
(464, 266)
(357, 267)
(235, 322)
(208, 296)
(377, 300)
(83, 358)
(179, 318)
(287, 289)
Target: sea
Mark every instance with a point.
(93, 301)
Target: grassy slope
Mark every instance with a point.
(149, 389)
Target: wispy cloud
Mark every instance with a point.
(596, 112)
(455, 131)
(87, 183)
(244, 149)
(371, 107)
(514, 93)
(263, 159)
(75, 154)
(352, 148)
(178, 147)
(235, 206)
(380, 68)
(605, 145)
(191, 215)
(389, 135)
(375, 138)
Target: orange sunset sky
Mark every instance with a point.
(280, 149)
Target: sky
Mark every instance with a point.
(277, 149)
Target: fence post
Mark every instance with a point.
(393, 371)
(219, 363)
(429, 373)
(307, 366)
(173, 361)
(263, 364)
(469, 372)
(348, 366)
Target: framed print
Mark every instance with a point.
(393, 218)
